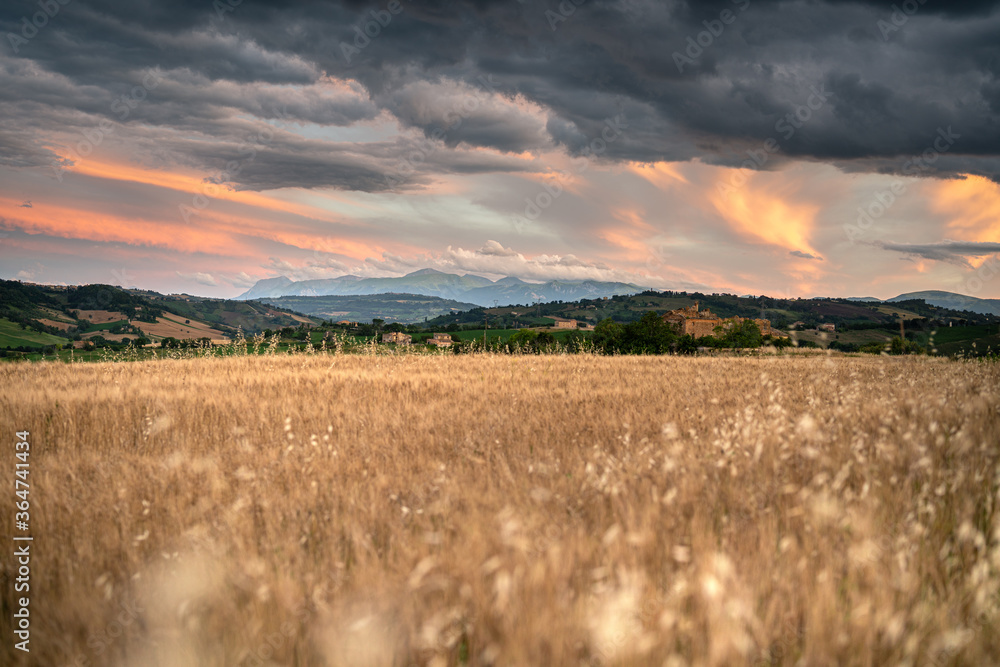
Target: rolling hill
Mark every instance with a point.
(39, 316)
(953, 301)
(404, 308)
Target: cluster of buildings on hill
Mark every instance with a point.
(698, 323)
(438, 340)
(564, 323)
(825, 326)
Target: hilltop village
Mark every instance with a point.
(694, 322)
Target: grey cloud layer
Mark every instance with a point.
(522, 77)
(955, 252)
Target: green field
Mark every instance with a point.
(58, 316)
(491, 334)
(892, 310)
(969, 340)
(12, 335)
(106, 326)
(957, 334)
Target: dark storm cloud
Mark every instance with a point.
(862, 85)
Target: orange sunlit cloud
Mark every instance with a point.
(563, 172)
(972, 206)
(208, 230)
(76, 223)
(764, 212)
(631, 232)
(194, 185)
(341, 246)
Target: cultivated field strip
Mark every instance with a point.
(509, 510)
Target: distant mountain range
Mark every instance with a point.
(509, 291)
(429, 282)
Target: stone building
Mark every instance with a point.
(698, 323)
(397, 337)
(693, 321)
(440, 340)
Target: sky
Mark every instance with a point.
(807, 148)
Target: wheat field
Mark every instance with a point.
(405, 510)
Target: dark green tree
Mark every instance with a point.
(524, 340)
(648, 335)
(742, 335)
(608, 336)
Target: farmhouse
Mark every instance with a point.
(564, 323)
(397, 338)
(440, 340)
(698, 323)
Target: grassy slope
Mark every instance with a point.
(58, 316)
(958, 334)
(226, 315)
(12, 335)
(972, 340)
(892, 310)
(106, 325)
